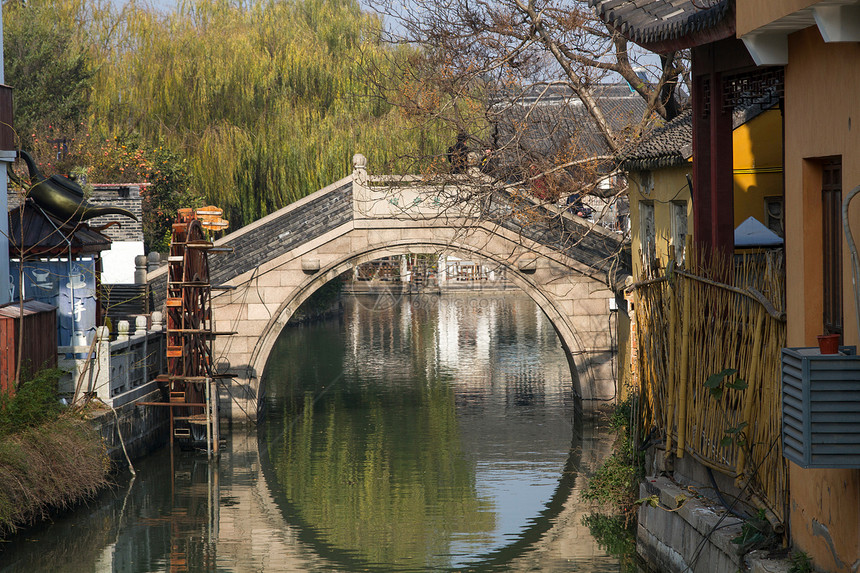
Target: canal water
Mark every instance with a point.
(415, 433)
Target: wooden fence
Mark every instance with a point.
(694, 323)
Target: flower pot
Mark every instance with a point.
(828, 343)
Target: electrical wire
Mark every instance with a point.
(678, 192)
(855, 263)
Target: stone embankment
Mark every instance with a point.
(688, 532)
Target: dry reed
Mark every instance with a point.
(723, 323)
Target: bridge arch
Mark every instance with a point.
(564, 264)
(266, 297)
(570, 342)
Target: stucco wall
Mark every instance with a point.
(670, 184)
(757, 158)
(822, 112)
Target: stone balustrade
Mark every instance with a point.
(116, 372)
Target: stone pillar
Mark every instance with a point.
(442, 265)
(155, 347)
(157, 321)
(362, 202)
(153, 261)
(140, 264)
(122, 331)
(102, 364)
(404, 269)
(140, 326)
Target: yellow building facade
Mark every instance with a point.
(661, 209)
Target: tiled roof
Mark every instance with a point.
(672, 144)
(666, 146)
(532, 128)
(667, 25)
(41, 236)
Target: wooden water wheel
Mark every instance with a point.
(190, 378)
(190, 330)
(189, 326)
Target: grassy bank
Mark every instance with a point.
(613, 488)
(50, 457)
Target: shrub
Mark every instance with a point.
(35, 402)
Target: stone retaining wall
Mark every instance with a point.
(143, 428)
(684, 534)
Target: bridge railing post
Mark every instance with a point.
(361, 194)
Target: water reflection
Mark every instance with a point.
(430, 434)
(434, 435)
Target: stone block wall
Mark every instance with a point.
(143, 429)
(686, 533)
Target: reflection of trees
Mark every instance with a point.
(369, 448)
(348, 459)
(349, 465)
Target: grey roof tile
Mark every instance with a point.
(654, 21)
(666, 146)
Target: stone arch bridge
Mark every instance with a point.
(568, 266)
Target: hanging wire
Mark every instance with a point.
(855, 263)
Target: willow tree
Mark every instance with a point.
(268, 99)
(51, 73)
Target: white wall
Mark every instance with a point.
(118, 262)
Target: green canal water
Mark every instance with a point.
(424, 433)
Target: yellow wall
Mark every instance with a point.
(757, 158)
(822, 118)
(670, 184)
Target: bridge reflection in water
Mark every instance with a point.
(430, 433)
(423, 433)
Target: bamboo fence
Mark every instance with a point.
(698, 321)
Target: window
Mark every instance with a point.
(679, 229)
(647, 236)
(646, 182)
(831, 197)
(773, 214)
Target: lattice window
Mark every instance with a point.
(831, 196)
(764, 86)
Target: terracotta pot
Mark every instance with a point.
(828, 343)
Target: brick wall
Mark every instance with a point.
(125, 197)
(273, 238)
